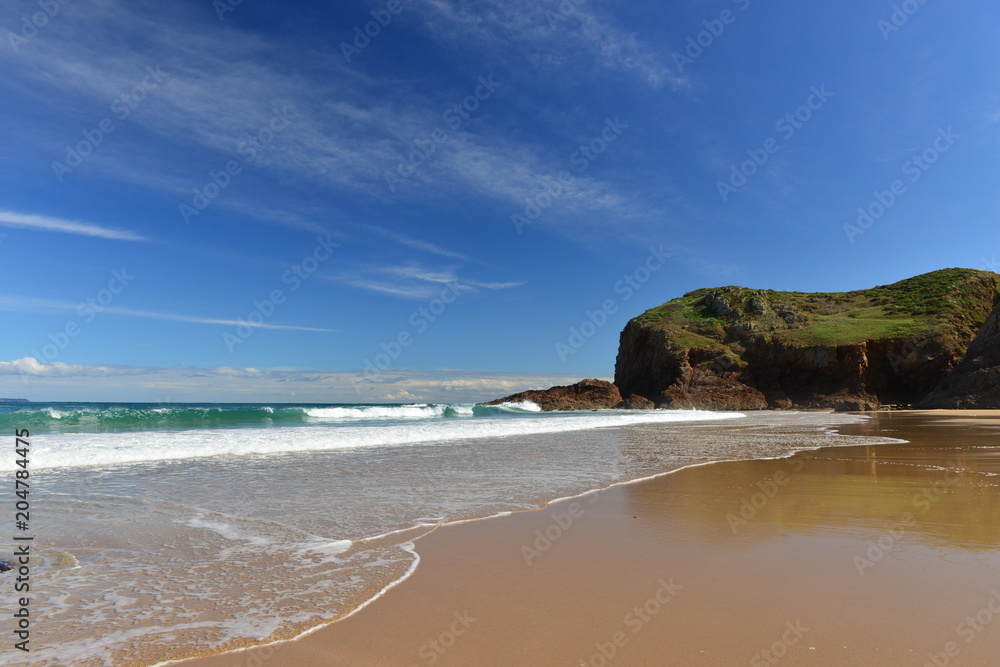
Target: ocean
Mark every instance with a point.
(164, 531)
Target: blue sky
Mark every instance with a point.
(254, 201)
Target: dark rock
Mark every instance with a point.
(636, 402)
(587, 394)
(705, 390)
(975, 382)
(779, 401)
(857, 404)
(756, 306)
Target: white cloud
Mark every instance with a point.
(50, 224)
(39, 381)
(19, 304)
(418, 273)
(413, 281)
(204, 320)
(417, 244)
(29, 366)
(416, 292)
(231, 90)
(555, 34)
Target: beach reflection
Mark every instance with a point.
(941, 489)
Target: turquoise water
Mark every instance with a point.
(116, 417)
(102, 434)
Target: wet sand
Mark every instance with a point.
(885, 555)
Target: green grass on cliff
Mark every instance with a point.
(923, 305)
(832, 330)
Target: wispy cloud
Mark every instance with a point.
(209, 105)
(556, 35)
(413, 281)
(416, 292)
(417, 244)
(445, 277)
(50, 224)
(417, 273)
(203, 320)
(20, 304)
(40, 381)
(31, 367)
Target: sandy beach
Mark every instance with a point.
(378, 333)
(882, 555)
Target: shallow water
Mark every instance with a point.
(155, 560)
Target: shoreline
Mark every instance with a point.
(337, 636)
(426, 529)
(410, 546)
(248, 566)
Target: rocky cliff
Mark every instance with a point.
(975, 382)
(587, 394)
(739, 349)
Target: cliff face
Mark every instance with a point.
(975, 382)
(742, 349)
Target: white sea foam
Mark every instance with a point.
(521, 406)
(69, 450)
(377, 412)
(227, 531)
